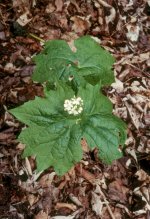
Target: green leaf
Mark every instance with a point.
(106, 132)
(100, 127)
(94, 100)
(43, 111)
(59, 149)
(54, 60)
(94, 63)
(53, 135)
(90, 62)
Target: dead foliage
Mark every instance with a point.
(91, 190)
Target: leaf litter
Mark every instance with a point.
(122, 28)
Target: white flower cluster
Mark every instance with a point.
(74, 106)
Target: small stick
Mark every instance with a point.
(107, 205)
(91, 178)
(36, 37)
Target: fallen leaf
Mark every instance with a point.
(47, 179)
(97, 204)
(32, 199)
(75, 199)
(133, 32)
(41, 215)
(50, 8)
(72, 216)
(142, 176)
(86, 175)
(117, 191)
(65, 205)
(118, 85)
(80, 24)
(59, 5)
(2, 35)
(24, 19)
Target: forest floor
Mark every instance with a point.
(91, 190)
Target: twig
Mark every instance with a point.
(107, 205)
(135, 67)
(91, 178)
(36, 37)
(6, 173)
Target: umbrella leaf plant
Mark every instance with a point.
(73, 107)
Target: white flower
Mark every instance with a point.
(74, 106)
(80, 109)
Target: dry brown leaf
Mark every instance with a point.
(142, 176)
(111, 17)
(28, 166)
(80, 24)
(2, 35)
(65, 205)
(23, 5)
(24, 19)
(51, 20)
(72, 216)
(97, 204)
(5, 136)
(133, 115)
(132, 152)
(9, 67)
(133, 32)
(117, 191)
(118, 85)
(59, 5)
(32, 199)
(50, 8)
(75, 199)
(86, 175)
(41, 215)
(46, 180)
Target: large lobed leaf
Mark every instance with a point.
(100, 127)
(90, 62)
(53, 136)
(60, 149)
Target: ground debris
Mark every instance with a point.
(91, 190)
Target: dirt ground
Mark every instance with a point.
(91, 190)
